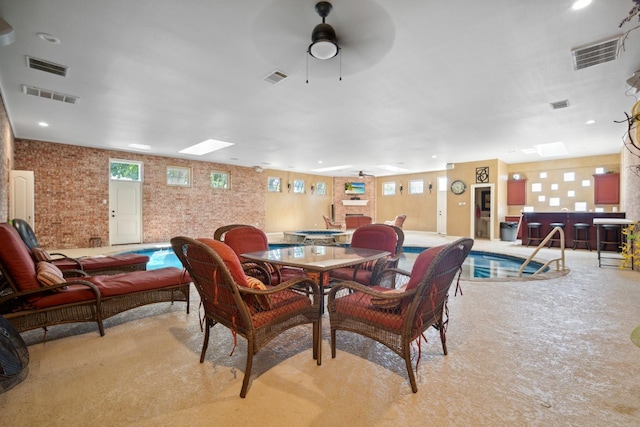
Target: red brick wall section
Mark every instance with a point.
(340, 210)
(71, 183)
(6, 159)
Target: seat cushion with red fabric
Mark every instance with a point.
(421, 265)
(103, 262)
(246, 239)
(16, 259)
(376, 236)
(115, 285)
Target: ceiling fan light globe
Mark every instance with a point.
(323, 49)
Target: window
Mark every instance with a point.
(274, 185)
(179, 176)
(219, 180)
(321, 188)
(416, 186)
(298, 186)
(388, 188)
(123, 170)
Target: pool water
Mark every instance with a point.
(479, 265)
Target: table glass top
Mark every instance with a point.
(315, 257)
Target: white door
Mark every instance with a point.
(441, 205)
(21, 192)
(125, 213)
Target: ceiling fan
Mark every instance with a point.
(361, 174)
(362, 30)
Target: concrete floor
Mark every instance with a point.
(534, 353)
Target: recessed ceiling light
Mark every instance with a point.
(434, 157)
(43, 124)
(140, 146)
(205, 147)
(49, 38)
(580, 4)
(590, 122)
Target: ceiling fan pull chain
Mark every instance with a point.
(340, 53)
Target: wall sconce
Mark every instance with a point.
(288, 187)
(313, 188)
(430, 187)
(401, 188)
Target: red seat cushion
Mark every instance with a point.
(115, 285)
(16, 259)
(421, 265)
(102, 262)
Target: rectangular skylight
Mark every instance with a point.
(551, 149)
(206, 147)
(392, 168)
(332, 168)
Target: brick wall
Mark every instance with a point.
(6, 160)
(340, 211)
(71, 183)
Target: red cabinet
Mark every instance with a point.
(606, 189)
(516, 192)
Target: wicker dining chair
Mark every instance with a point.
(246, 238)
(397, 317)
(375, 236)
(252, 310)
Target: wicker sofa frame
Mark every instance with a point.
(17, 302)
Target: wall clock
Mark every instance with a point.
(458, 187)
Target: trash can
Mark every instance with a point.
(508, 231)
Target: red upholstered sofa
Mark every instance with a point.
(35, 296)
(354, 221)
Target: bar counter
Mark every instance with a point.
(568, 218)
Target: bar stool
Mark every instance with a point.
(610, 236)
(531, 227)
(577, 229)
(556, 237)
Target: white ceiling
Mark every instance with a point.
(455, 80)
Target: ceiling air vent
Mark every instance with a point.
(600, 53)
(49, 94)
(560, 104)
(46, 66)
(275, 77)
